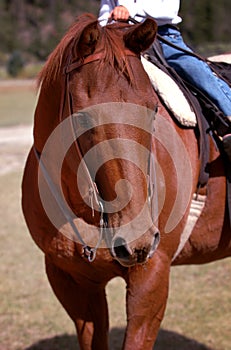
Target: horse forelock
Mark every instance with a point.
(114, 49)
(110, 40)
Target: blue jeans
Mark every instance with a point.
(195, 71)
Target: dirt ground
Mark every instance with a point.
(15, 141)
(14, 146)
(16, 84)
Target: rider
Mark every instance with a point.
(190, 68)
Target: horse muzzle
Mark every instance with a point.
(129, 253)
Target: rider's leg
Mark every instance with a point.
(199, 74)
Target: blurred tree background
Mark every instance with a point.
(30, 29)
(206, 25)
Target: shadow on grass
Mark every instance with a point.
(166, 340)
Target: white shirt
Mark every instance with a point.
(162, 11)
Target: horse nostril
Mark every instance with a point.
(120, 248)
(136, 253)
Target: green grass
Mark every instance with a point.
(17, 105)
(29, 71)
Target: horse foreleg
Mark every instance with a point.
(146, 301)
(87, 307)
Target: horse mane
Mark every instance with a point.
(111, 42)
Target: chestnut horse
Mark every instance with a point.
(101, 196)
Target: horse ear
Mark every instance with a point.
(88, 40)
(141, 36)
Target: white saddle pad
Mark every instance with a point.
(170, 93)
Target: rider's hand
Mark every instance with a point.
(120, 13)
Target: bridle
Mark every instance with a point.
(93, 193)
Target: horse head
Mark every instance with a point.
(97, 77)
